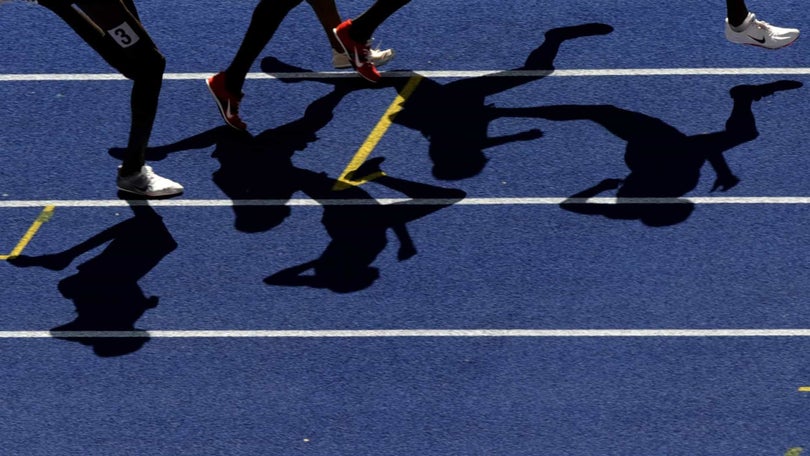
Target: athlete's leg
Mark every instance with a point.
(146, 71)
(263, 24)
(226, 86)
(736, 12)
(112, 28)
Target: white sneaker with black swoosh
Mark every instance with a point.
(147, 183)
(760, 33)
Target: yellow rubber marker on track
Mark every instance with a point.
(804, 389)
(43, 217)
(376, 134)
(794, 451)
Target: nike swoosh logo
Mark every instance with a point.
(137, 188)
(357, 62)
(758, 40)
(228, 112)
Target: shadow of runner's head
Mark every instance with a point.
(105, 290)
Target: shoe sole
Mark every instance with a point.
(765, 47)
(221, 108)
(164, 193)
(770, 48)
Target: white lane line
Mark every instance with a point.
(391, 333)
(529, 201)
(431, 74)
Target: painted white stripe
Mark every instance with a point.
(431, 74)
(391, 333)
(538, 201)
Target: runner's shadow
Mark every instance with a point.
(259, 170)
(663, 162)
(256, 170)
(454, 117)
(105, 288)
(357, 225)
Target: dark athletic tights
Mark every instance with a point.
(113, 29)
(736, 12)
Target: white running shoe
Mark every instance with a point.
(378, 57)
(760, 33)
(149, 184)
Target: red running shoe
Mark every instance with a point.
(358, 53)
(227, 102)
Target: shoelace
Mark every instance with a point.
(377, 48)
(762, 25)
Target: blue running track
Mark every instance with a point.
(588, 238)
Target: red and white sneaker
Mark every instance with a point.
(358, 53)
(227, 102)
(378, 57)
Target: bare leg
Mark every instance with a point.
(263, 25)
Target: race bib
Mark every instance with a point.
(124, 35)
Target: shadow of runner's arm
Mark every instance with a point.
(292, 276)
(575, 203)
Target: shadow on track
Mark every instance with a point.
(663, 162)
(358, 228)
(258, 173)
(105, 288)
(257, 169)
(454, 117)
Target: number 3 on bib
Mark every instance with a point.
(124, 35)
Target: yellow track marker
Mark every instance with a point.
(43, 217)
(794, 451)
(376, 134)
(804, 389)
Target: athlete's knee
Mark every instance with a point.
(148, 65)
(159, 64)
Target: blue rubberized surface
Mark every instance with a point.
(505, 266)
